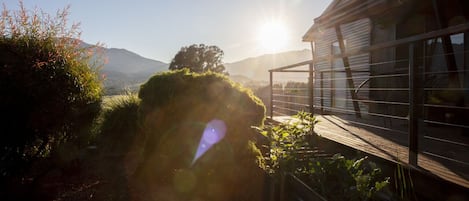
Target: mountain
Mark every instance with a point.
(126, 70)
(124, 61)
(257, 68)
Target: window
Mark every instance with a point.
(336, 47)
(339, 85)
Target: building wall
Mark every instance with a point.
(356, 35)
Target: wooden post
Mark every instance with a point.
(348, 71)
(415, 100)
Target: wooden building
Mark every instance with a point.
(398, 70)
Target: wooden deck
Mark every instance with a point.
(391, 144)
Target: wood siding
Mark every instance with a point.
(356, 35)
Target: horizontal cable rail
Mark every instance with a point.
(369, 101)
(296, 89)
(291, 96)
(368, 89)
(446, 124)
(292, 103)
(446, 158)
(446, 141)
(378, 127)
(447, 106)
(349, 111)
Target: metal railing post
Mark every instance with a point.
(322, 93)
(311, 88)
(271, 95)
(414, 104)
(466, 72)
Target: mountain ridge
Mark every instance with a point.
(257, 68)
(126, 70)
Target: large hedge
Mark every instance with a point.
(174, 110)
(49, 91)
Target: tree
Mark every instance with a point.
(199, 58)
(49, 90)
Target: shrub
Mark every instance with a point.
(175, 109)
(119, 126)
(339, 178)
(50, 93)
(284, 142)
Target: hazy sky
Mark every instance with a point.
(158, 29)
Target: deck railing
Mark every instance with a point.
(416, 88)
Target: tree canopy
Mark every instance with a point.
(199, 58)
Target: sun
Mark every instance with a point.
(273, 36)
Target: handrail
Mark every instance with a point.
(279, 69)
(361, 85)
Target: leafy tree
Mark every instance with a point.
(199, 58)
(49, 90)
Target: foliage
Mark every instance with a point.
(339, 178)
(199, 58)
(403, 183)
(285, 140)
(50, 92)
(119, 126)
(334, 178)
(174, 110)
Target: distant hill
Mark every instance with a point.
(127, 70)
(124, 61)
(256, 68)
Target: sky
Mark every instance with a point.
(157, 29)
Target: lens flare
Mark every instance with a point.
(213, 133)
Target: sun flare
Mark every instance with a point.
(273, 36)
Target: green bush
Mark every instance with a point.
(175, 109)
(118, 127)
(49, 92)
(285, 141)
(339, 178)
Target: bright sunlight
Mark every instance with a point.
(273, 36)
